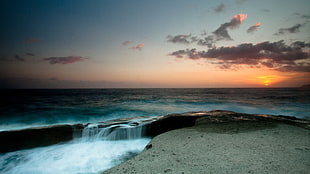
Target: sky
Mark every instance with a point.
(154, 44)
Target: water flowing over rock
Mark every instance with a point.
(36, 137)
(129, 128)
(114, 132)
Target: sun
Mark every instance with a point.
(267, 79)
(267, 82)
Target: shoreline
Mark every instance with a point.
(244, 146)
(192, 142)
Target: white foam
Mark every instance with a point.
(72, 158)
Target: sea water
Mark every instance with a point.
(99, 148)
(28, 108)
(31, 108)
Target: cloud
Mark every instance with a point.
(19, 58)
(222, 32)
(253, 28)
(126, 42)
(237, 20)
(209, 40)
(29, 54)
(65, 60)
(189, 53)
(293, 29)
(303, 16)
(31, 40)
(137, 47)
(265, 10)
(183, 39)
(219, 8)
(16, 57)
(205, 40)
(274, 55)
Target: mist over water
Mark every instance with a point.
(99, 149)
(71, 158)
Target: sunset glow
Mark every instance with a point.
(265, 80)
(269, 80)
(138, 44)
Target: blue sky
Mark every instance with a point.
(101, 43)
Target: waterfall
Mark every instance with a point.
(99, 131)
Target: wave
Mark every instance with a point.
(100, 148)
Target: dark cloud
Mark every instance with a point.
(205, 40)
(209, 40)
(126, 42)
(266, 10)
(29, 54)
(304, 16)
(19, 58)
(16, 57)
(295, 68)
(65, 60)
(189, 53)
(300, 45)
(276, 55)
(219, 8)
(222, 32)
(293, 29)
(183, 39)
(31, 40)
(253, 28)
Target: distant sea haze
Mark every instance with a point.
(28, 108)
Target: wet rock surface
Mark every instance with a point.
(225, 142)
(36, 137)
(152, 126)
(175, 121)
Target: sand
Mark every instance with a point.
(233, 147)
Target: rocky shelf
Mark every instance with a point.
(151, 126)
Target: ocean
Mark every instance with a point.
(40, 107)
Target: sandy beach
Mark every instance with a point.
(231, 147)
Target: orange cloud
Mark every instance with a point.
(257, 24)
(222, 32)
(237, 19)
(137, 47)
(253, 27)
